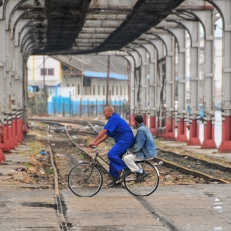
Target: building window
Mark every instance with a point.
(50, 71)
(43, 71)
(104, 93)
(121, 90)
(67, 84)
(116, 90)
(93, 89)
(47, 71)
(98, 89)
(112, 90)
(73, 85)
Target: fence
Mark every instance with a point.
(65, 106)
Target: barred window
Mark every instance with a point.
(43, 71)
(50, 71)
(47, 71)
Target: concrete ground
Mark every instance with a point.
(191, 208)
(24, 206)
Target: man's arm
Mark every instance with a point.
(100, 138)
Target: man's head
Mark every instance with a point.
(108, 111)
(138, 120)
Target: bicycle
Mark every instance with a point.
(85, 179)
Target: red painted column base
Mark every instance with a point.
(181, 136)
(153, 125)
(19, 131)
(132, 120)
(11, 139)
(2, 156)
(14, 133)
(225, 145)
(170, 129)
(194, 134)
(5, 142)
(209, 141)
(161, 129)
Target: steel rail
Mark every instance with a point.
(61, 217)
(157, 214)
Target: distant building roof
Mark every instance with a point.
(96, 65)
(104, 75)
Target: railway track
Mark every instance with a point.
(191, 166)
(150, 208)
(155, 213)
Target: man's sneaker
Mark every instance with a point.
(126, 173)
(140, 176)
(114, 184)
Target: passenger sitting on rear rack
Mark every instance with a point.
(144, 148)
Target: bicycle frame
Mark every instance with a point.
(85, 179)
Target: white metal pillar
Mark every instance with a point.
(193, 27)
(132, 89)
(224, 7)
(207, 19)
(152, 85)
(2, 79)
(168, 40)
(179, 34)
(143, 103)
(159, 82)
(137, 61)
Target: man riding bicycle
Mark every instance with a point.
(119, 130)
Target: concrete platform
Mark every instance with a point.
(213, 153)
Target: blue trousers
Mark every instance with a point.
(115, 157)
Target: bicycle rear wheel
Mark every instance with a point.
(148, 185)
(85, 180)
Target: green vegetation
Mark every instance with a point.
(27, 165)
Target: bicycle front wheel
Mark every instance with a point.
(85, 180)
(148, 185)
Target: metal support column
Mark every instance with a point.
(143, 83)
(152, 86)
(194, 31)
(225, 7)
(179, 34)
(168, 40)
(207, 19)
(2, 73)
(159, 85)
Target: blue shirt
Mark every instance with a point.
(118, 129)
(144, 146)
